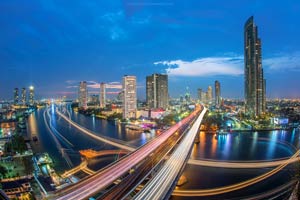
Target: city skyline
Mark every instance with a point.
(116, 38)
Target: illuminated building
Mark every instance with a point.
(102, 95)
(217, 94)
(23, 97)
(31, 95)
(16, 96)
(254, 78)
(209, 95)
(82, 95)
(199, 91)
(129, 97)
(157, 91)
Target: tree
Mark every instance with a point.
(3, 170)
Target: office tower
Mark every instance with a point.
(157, 91)
(129, 97)
(254, 78)
(199, 91)
(102, 95)
(209, 94)
(16, 96)
(217, 94)
(82, 95)
(23, 96)
(31, 95)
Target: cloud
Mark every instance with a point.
(71, 81)
(208, 66)
(285, 62)
(72, 86)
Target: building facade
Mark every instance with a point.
(82, 95)
(129, 97)
(157, 95)
(199, 92)
(254, 78)
(31, 95)
(16, 96)
(23, 97)
(209, 94)
(217, 94)
(102, 95)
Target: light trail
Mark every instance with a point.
(199, 162)
(103, 178)
(111, 141)
(58, 145)
(159, 185)
(242, 165)
(56, 132)
(237, 186)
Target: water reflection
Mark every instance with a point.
(32, 123)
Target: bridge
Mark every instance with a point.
(89, 153)
(93, 184)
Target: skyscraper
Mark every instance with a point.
(199, 91)
(254, 78)
(157, 91)
(102, 95)
(24, 96)
(217, 94)
(31, 95)
(129, 97)
(209, 94)
(16, 95)
(82, 95)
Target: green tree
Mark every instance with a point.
(3, 171)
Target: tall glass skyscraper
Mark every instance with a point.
(31, 95)
(82, 95)
(254, 77)
(129, 97)
(16, 96)
(157, 95)
(217, 94)
(102, 95)
(24, 96)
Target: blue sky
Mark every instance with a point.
(54, 44)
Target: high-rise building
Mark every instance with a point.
(199, 91)
(217, 94)
(254, 78)
(31, 95)
(129, 97)
(16, 95)
(102, 95)
(209, 94)
(82, 95)
(23, 96)
(157, 91)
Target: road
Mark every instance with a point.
(95, 183)
(159, 185)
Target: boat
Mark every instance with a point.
(35, 139)
(134, 127)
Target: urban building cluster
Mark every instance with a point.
(22, 98)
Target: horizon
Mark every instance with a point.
(53, 46)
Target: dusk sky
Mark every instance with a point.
(53, 45)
